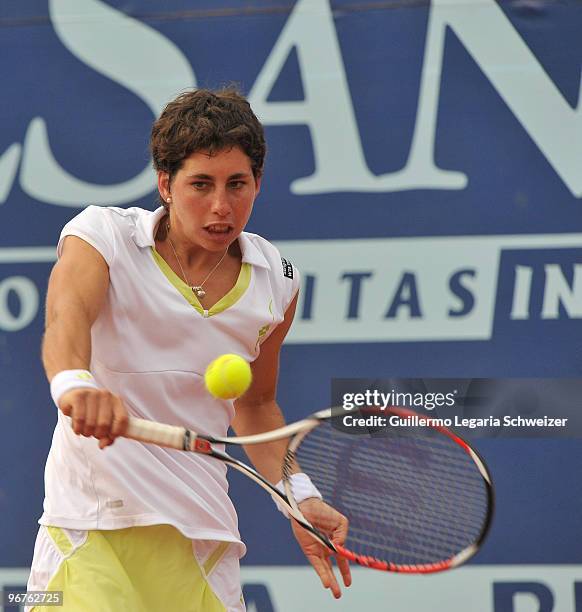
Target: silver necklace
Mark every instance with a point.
(196, 289)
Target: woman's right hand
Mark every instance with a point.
(95, 412)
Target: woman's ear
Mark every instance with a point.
(164, 185)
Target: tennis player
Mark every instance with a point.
(138, 304)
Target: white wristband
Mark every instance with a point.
(71, 379)
(302, 488)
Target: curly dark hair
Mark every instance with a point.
(209, 120)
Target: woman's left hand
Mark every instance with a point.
(335, 526)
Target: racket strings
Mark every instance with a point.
(421, 497)
(398, 526)
(412, 495)
(458, 480)
(398, 481)
(459, 475)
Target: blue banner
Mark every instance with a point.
(424, 174)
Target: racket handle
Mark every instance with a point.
(157, 433)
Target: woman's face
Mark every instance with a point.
(211, 197)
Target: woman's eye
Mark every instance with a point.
(199, 185)
(236, 184)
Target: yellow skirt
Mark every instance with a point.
(139, 569)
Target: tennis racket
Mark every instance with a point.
(418, 498)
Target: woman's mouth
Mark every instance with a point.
(218, 229)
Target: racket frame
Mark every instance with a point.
(181, 438)
(184, 439)
(422, 568)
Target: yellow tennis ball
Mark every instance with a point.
(228, 376)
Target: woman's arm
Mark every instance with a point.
(257, 411)
(76, 292)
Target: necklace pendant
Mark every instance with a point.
(198, 291)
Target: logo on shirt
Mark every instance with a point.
(287, 268)
(265, 328)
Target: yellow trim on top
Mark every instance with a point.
(228, 300)
(233, 296)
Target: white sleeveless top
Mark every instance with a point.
(151, 344)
